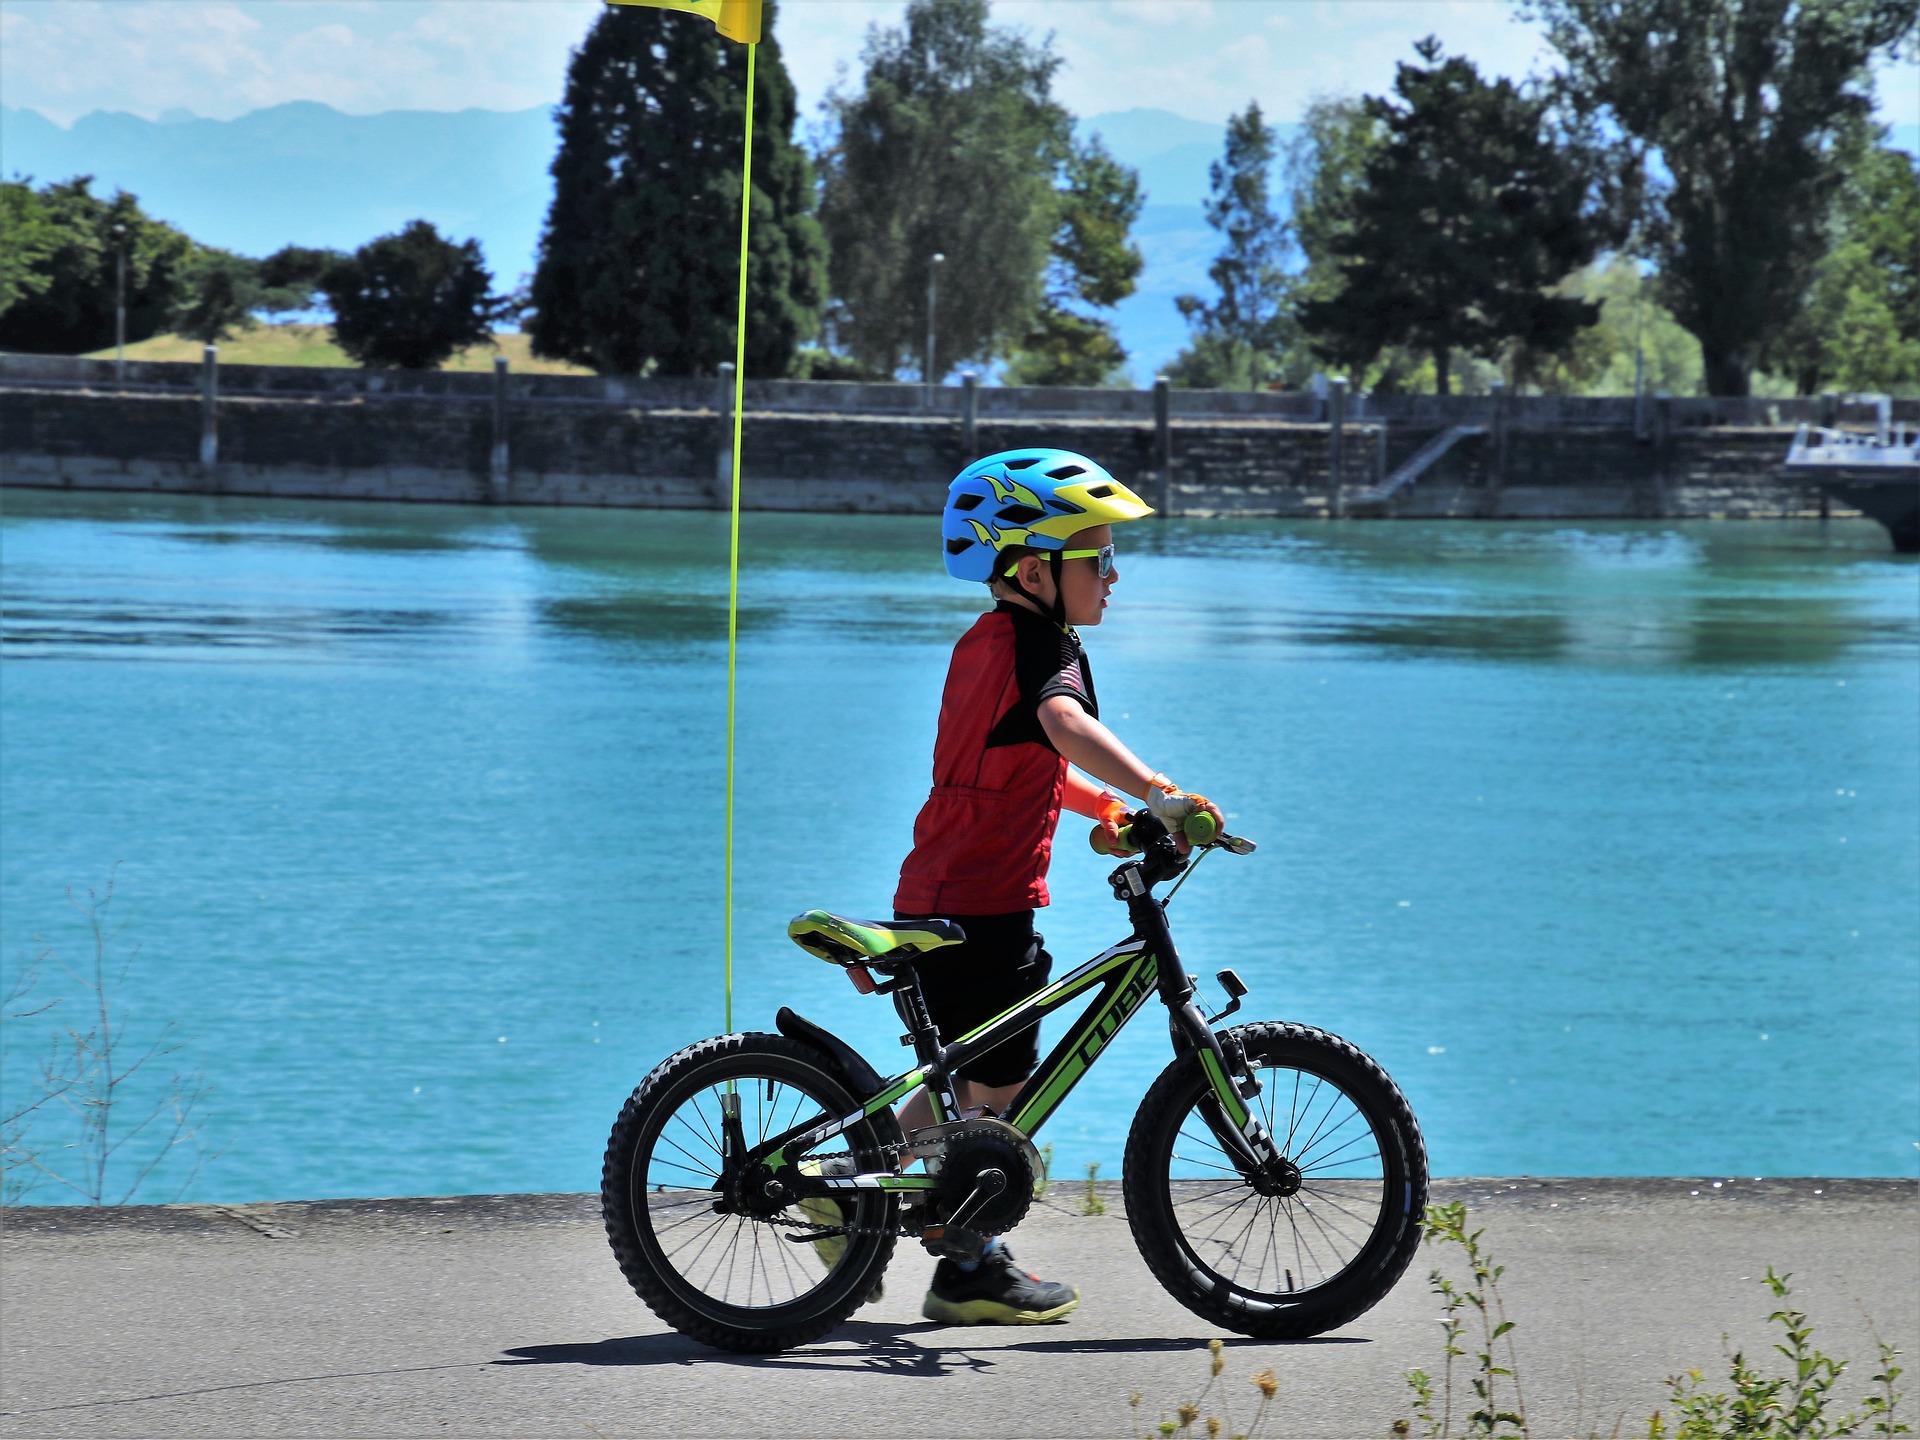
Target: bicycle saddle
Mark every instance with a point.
(868, 942)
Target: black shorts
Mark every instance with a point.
(1001, 962)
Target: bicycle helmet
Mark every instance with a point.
(1036, 498)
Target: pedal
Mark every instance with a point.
(954, 1242)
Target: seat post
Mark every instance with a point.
(911, 1006)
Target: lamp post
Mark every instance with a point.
(933, 289)
(120, 301)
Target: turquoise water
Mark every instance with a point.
(1603, 838)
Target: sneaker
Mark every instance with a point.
(997, 1292)
(821, 1210)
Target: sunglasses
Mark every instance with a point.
(1103, 558)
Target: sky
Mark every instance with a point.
(1200, 58)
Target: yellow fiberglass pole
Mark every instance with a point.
(733, 534)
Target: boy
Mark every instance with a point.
(1035, 526)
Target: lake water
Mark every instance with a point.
(1603, 838)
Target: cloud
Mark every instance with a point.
(221, 58)
(1201, 58)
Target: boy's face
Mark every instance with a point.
(1084, 590)
(1082, 586)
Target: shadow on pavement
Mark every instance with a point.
(865, 1345)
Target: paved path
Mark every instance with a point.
(505, 1316)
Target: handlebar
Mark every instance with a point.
(1143, 828)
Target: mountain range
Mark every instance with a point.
(305, 173)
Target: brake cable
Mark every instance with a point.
(1192, 866)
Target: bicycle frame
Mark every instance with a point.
(1126, 975)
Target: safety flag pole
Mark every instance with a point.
(737, 20)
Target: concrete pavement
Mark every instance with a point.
(505, 1316)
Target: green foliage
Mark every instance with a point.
(291, 278)
(1859, 328)
(32, 235)
(1238, 333)
(1466, 214)
(1212, 1396)
(1600, 359)
(639, 263)
(1490, 1381)
(1736, 117)
(63, 292)
(1090, 1201)
(410, 299)
(810, 362)
(1791, 1406)
(1093, 262)
(220, 292)
(1323, 169)
(951, 146)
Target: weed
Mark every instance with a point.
(1793, 1406)
(1494, 1414)
(88, 1070)
(1090, 1201)
(1197, 1411)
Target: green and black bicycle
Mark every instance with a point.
(1274, 1175)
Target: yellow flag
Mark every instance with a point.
(735, 19)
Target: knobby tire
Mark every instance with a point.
(701, 1271)
(1279, 1267)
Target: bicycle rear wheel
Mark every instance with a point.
(717, 1271)
(1287, 1265)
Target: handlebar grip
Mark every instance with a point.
(1199, 828)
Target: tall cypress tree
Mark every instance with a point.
(638, 264)
(1237, 335)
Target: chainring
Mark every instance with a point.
(976, 1145)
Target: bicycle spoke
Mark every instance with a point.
(1281, 1245)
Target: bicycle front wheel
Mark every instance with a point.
(1288, 1265)
(716, 1269)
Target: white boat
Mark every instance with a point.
(1877, 474)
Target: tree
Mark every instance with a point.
(63, 302)
(411, 299)
(950, 146)
(1859, 328)
(1238, 334)
(1092, 262)
(1600, 360)
(292, 277)
(1735, 113)
(639, 264)
(1467, 213)
(219, 294)
(32, 235)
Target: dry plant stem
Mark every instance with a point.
(17, 1175)
(87, 1072)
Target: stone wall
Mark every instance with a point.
(427, 446)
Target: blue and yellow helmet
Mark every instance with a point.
(1035, 498)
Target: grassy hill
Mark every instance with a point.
(313, 345)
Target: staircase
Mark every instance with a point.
(1379, 500)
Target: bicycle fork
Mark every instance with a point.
(1230, 1080)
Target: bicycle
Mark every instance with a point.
(1274, 1175)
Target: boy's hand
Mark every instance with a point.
(1109, 817)
(1171, 806)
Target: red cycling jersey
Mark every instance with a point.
(983, 839)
